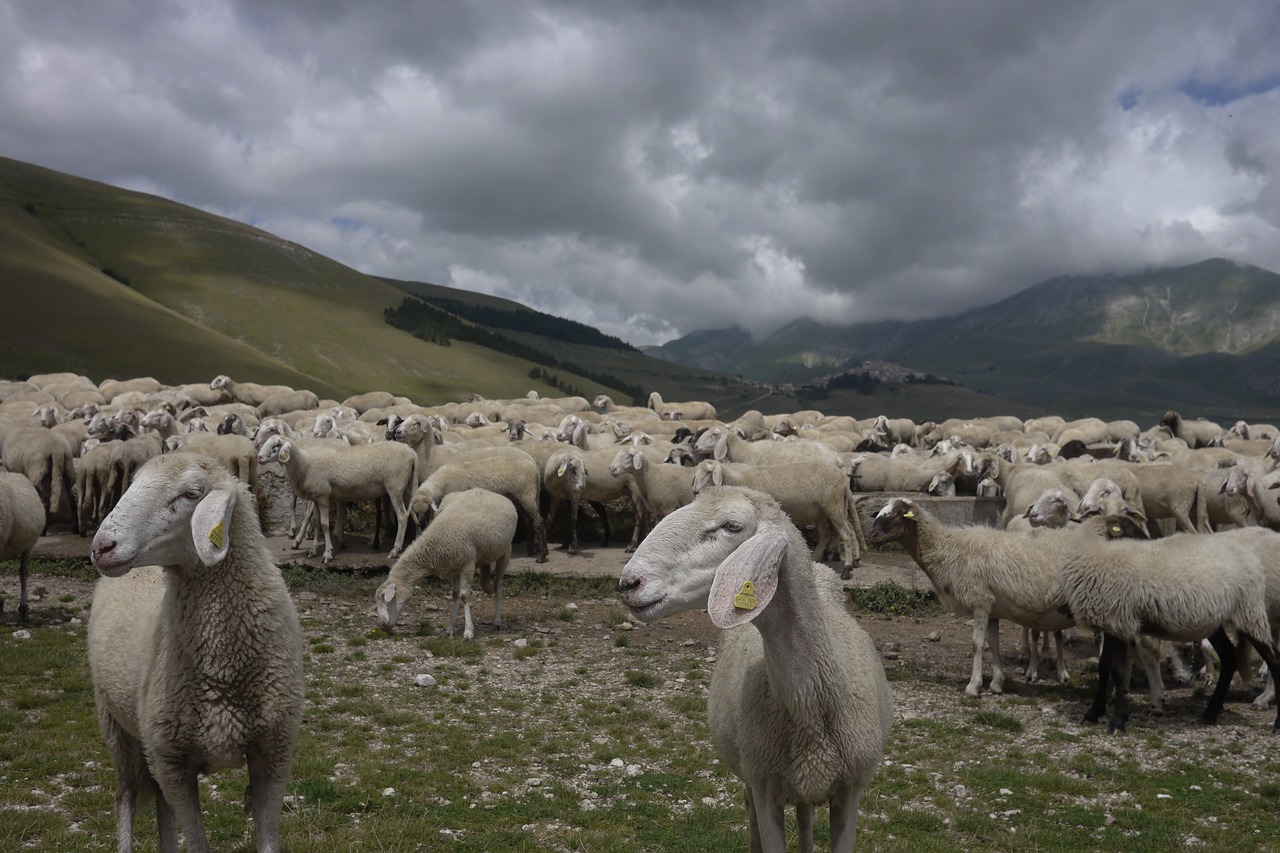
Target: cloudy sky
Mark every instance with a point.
(652, 168)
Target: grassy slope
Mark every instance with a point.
(313, 322)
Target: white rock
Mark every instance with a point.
(633, 770)
(22, 634)
(533, 782)
(571, 606)
(388, 792)
(521, 643)
(424, 680)
(1004, 792)
(617, 762)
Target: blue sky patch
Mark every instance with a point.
(1216, 93)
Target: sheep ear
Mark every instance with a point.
(1027, 514)
(211, 526)
(717, 476)
(722, 448)
(748, 578)
(388, 592)
(283, 456)
(580, 434)
(638, 460)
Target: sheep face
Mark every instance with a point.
(703, 555)
(893, 522)
(176, 512)
(1102, 496)
(390, 600)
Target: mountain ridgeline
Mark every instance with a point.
(1203, 339)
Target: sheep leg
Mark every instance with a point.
(499, 569)
(1268, 694)
(180, 787)
(843, 808)
(402, 522)
(166, 824)
(264, 798)
(638, 522)
(1105, 660)
(574, 509)
(997, 666)
(322, 509)
(23, 566)
(770, 820)
(604, 522)
(1150, 661)
(551, 518)
(1059, 644)
(804, 826)
(1267, 651)
(533, 519)
(376, 542)
(1032, 646)
(848, 534)
(1227, 657)
(753, 824)
(979, 637)
(1119, 664)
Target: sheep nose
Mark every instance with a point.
(628, 584)
(101, 549)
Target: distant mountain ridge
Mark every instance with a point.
(1205, 337)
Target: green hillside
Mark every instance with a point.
(109, 282)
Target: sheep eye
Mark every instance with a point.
(733, 526)
(193, 493)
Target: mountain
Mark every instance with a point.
(113, 283)
(1203, 338)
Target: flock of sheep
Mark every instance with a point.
(198, 665)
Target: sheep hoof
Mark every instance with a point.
(395, 552)
(542, 559)
(971, 691)
(846, 574)
(1090, 718)
(1261, 704)
(1115, 727)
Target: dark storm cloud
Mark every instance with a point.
(654, 168)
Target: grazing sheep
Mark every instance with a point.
(196, 654)
(21, 521)
(1183, 588)
(45, 459)
(471, 528)
(986, 574)
(365, 472)
(799, 706)
(506, 471)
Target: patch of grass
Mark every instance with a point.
(636, 678)
(528, 651)
(886, 597)
(996, 720)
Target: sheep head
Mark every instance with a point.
(894, 522)
(723, 552)
(176, 512)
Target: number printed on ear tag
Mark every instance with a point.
(215, 535)
(746, 599)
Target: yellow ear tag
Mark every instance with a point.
(215, 536)
(560, 470)
(1115, 530)
(746, 599)
(284, 454)
(909, 514)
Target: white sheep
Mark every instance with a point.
(196, 654)
(986, 574)
(249, 393)
(564, 477)
(664, 487)
(799, 706)
(366, 472)
(471, 528)
(1183, 588)
(44, 458)
(21, 521)
(506, 471)
(690, 410)
(808, 494)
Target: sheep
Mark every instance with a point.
(691, 410)
(873, 472)
(663, 487)
(799, 706)
(21, 522)
(45, 459)
(724, 445)
(602, 486)
(564, 477)
(1170, 491)
(371, 400)
(1183, 588)
(807, 494)
(250, 393)
(194, 648)
(361, 473)
(1197, 433)
(986, 574)
(507, 471)
(471, 528)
